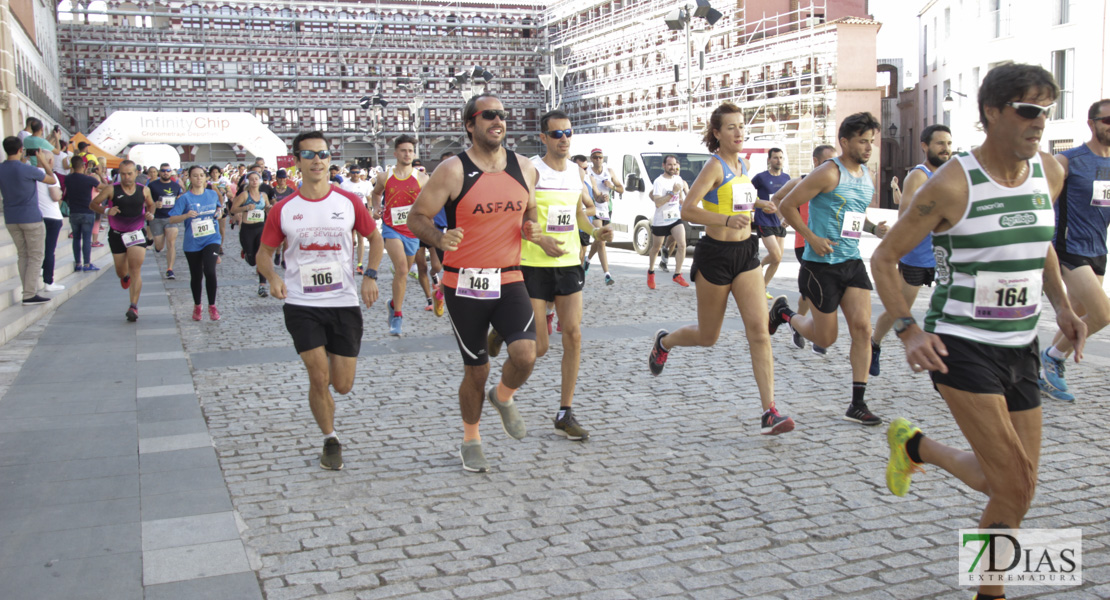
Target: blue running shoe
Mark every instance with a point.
(1053, 383)
(394, 325)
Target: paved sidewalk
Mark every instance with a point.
(177, 459)
(109, 483)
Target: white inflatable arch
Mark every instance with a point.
(125, 127)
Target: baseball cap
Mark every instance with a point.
(596, 151)
(281, 174)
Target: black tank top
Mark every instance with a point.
(130, 205)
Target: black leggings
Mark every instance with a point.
(250, 238)
(203, 264)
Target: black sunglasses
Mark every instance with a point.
(560, 133)
(310, 154)
(1103, 120)
(166, 171)
(1026, 110)
(490, 114)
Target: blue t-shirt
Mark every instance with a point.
(207, 206)
(21, 197)
(79, 189)
(922, 255)
(163, 191)
(766, 185)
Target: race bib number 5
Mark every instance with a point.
(1007, 296)
(1101, 195)
(480, 284)
(560, 219)
(853, 225)
(321, 278)
(400, 214)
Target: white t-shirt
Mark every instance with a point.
(47, 206)
(671, 212)
(361, 189)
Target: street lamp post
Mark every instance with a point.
(679, 20)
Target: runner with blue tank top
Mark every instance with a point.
(833, 274)
(990, 212)
(200, 208)
(918, 267)
(726, 261)
(1082, 216)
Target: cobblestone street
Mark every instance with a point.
(675, 495)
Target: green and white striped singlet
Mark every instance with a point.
(991, 263)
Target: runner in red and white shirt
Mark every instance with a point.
(321, 304)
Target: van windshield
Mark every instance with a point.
(689, 164)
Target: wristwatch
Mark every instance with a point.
(371, 274)
(903, 324)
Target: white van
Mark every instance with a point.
(637, 158)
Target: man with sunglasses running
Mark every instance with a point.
(490, 200)
(990, 214)
(1082, 216)
(165, 191)
(319, 288)
(605, 183)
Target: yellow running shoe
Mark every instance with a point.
(900, 468)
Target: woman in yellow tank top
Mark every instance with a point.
(726, 261)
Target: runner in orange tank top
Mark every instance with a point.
(490, 201)
(399, 187)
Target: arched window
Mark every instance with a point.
(65, 11)
(191, 16)
(227, 18)
(101, 7)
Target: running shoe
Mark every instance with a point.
(680, 280)
(900, 468)
(799, 341)
(428, 306)
(663, 264)
(819, 351)
(473, 459)
(651, 281)
(769, 296)
(569, 428)
(77, 268)
(394, 325)
(170, 275)
(586, 265)
(53, 287)
(358, 269)
(511, 421)
(657, 358)
(213, 312)
(262, 293)
(437, 302)
(860, 414)
(493, 342)
(550, 322)
(609, 279)
(778, 313)
(1053, 382)
(332, 456)
(773, 423)
(97, 245)
(91, 267)
(125, 282)
(198, 314)
(875, 351)
(132, 314)
(414, 274)
(36, 299)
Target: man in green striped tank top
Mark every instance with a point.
(991, 215)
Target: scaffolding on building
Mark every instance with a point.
(780, 69)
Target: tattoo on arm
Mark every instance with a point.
(924, 210)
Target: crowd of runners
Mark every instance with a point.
(501, 244)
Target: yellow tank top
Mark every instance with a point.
(557, 194)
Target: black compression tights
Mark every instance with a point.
(203, 264)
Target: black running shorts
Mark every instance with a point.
(996, 370)
(664, 230)
(766, 231)
(720, 262)
(1075, 261)
(917, 276)
(824, 284)
(511, 315)
(544, 283)
(337, 328)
